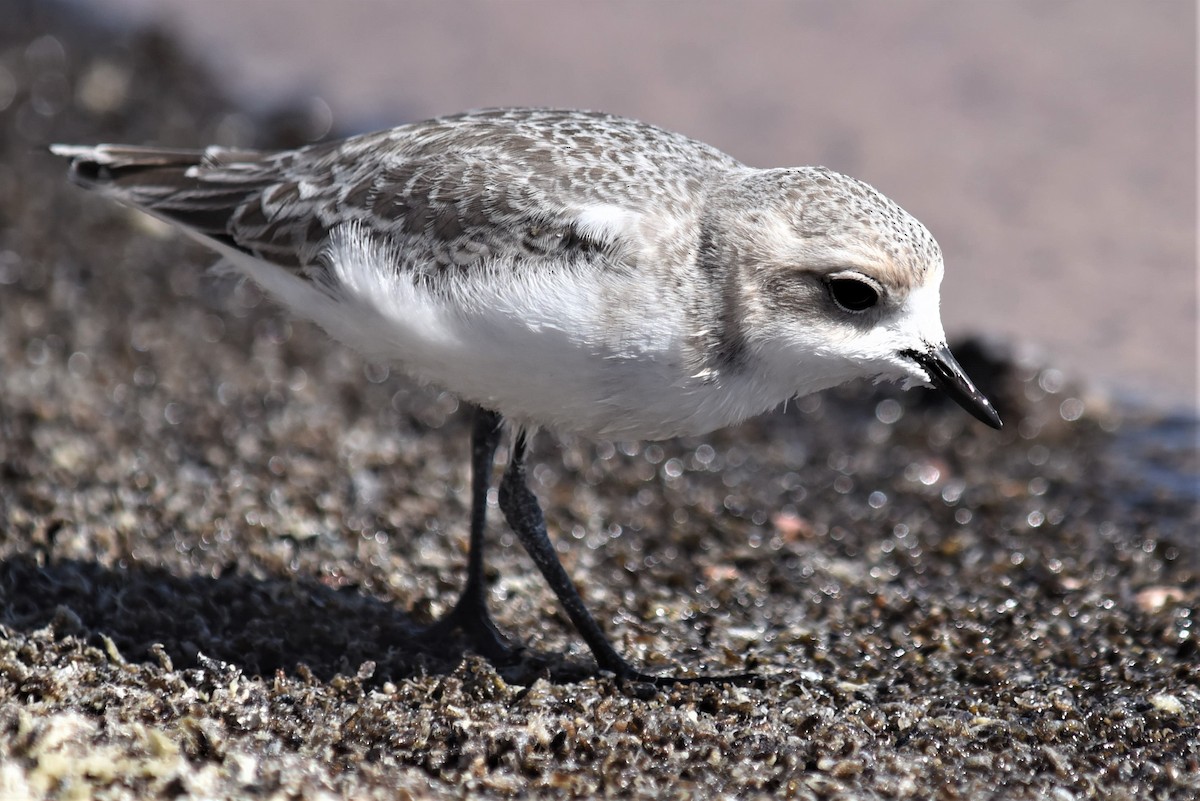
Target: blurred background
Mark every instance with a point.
(1050, 147)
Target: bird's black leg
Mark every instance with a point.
(524, 516)
(470, 614)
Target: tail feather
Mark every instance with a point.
(200, 190)
(101, 165)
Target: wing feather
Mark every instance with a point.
(515, 187)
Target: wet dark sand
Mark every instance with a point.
(220, 531)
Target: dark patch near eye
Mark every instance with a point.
(851, 294)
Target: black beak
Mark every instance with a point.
(946, 374)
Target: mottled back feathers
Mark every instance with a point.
(502, 186)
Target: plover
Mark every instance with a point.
(568, 270)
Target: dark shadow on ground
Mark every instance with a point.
(261, 626)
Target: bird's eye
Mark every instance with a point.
(853, 294)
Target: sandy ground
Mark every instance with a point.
(220, 532)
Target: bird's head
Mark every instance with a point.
(834, 282)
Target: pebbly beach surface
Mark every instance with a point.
(221, 531)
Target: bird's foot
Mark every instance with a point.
(470, 617)
(625, 673)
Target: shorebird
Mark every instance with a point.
(568, 270)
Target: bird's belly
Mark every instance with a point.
(597, 353)
(556, 362)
